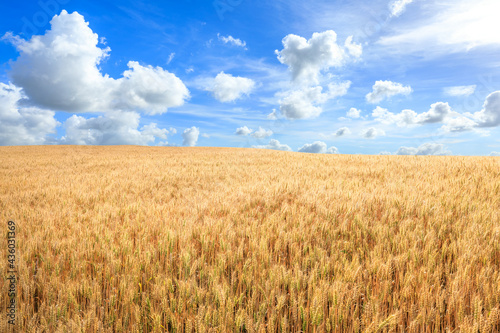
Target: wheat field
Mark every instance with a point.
(167, 239)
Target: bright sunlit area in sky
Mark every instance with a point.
(407, 77)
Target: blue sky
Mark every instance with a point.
(350, 77)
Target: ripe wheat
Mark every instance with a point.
(143, 239)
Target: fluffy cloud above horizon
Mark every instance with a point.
(227, 88)
(23, 125)
(306, 59)
(60, 71)
(386, 89)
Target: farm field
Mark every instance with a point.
(167, 239)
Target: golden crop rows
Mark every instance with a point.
(165, 239)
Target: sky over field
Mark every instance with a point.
(412, 77)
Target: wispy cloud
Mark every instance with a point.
(460, 90)
(397, 7)
(232, 41)
(455, 26)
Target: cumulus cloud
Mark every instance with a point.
(441, 112)
(354, 49)
(262, 133)
(458, 123)
(397, 7)
(372, 133)
(353, 113)
(259, 134)
(232, 41)
(489, 116)
(407, 118)
(459, 90)
(495, 153)
(424, 149)
(437, 113)
(243, 131)
(150, 89)
(190, 136)
(21, 125)
(307, 58)
(303, 104)
(317, 147)
(60, 71)
(342, 131)
(332, 150)
(306, 103)
(386, 89)
(114, 128)
(274, 145)
(228, 88)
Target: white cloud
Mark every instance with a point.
(60, 71)
(353, 113)
(233, 41)
(386, 89)
(489, 116)
(495, 153)
(436, 114)
(228, 88)
(272, 115)
(460, 90)
(243, 131)
(302, 104)
(342, 131)
(332, 150)
(424, 149)
(456, 26)
(383, 115)
(372, 133)
(307, 102)
(170, 57)
(115, 128)
(397, 7)
(275, 145)
(190, 136)
(354, 49)
(408, 118)
(441, 112)
(458, 123)
(23, 125)
(150, 89)
(262, 133)
(307, 58)
(317, 147)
